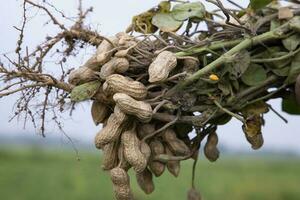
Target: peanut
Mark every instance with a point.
(145, 149)
(157, 148)
(160, 68)
(105, 51)
(110, 156)
(99, 112)
(130, 106)
(119, 84)
(132, 152)
(121, 184)
(173, 166)
(111, 132)
(145, 129)
(115, 65)
(193, 194)
(191, 65)
(177, 146)
(145, 181)
(82, 75)
(210, 149)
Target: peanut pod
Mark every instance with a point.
(132, 152)
(173, 166)
(110, 156)
(105, 51)
(99, 112)
(162, 65)
(145, 181)
(130, 106)
(111, 132)
(145, 129)
(115, 65)
(82, 75)
(177, 146)
(121, 184)
(210, 149)
(156, 167)
(117, 83)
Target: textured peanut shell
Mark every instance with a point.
(121, 184)
(160, 68)
(145, 181)
(110, 156)
(99, 112)
(102, 97)
(132, 152)
(177, 146)
(174, 165)
(156, 167)
(145, 149)
(141, 110)
(145, 129)
(210, 149)
(82, 75)
(104, 50)
(112, 130)
(123, 162)
(115, 65)
(191, 65)
(117, 83)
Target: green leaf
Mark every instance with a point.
(294, 70)
(291, 43)
(254, 75)
(184, 11)
(165, 22)
(295, 24)
(281, 71)
(259, 4)
(85, 91)
(241, 62)
(290, 106)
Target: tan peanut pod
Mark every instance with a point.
(132, 152)
(160, 68)
(82, 75)
(125, 40)
(117, 83)
(110, 156)
(156, 167)
(145, 181)
(123, 53)
(115, 65)
(193, 194)
(121, 184)
(256, 141)
(130, 106)
(123, 162)
(102, 97)
(144, 130)
(113, 129)
(210, 149)
(99, 112)
(173, 166)
(177, 146)
(297, 89)
(105, 51)
(145, 149)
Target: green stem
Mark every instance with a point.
(266, 60)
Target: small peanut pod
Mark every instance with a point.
(156, 167)
(177, 146)
(111, 132)
(130, 106)
(132, 152)
(99, 112)
(82, 75)
(105, 51)
(110, 156)
(145, 129)
(145, 149)
(160, 68)
(297, 89)
(121, 184)
(117, 83)
(193, 194)
(173, 166)
(191, 65)
(256, 141)
(103, 98)
(145, 181)
(210, 149)
(123, 162)
(115, 65)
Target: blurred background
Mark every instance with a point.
(32, 167)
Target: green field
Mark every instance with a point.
(36, 174)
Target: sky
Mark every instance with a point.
(110, 17)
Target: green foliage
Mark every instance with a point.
(185, 11)
(290, 105)
(165, 22)
(294, 70)
(84, 91)
(254, 75)
(259, 4)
